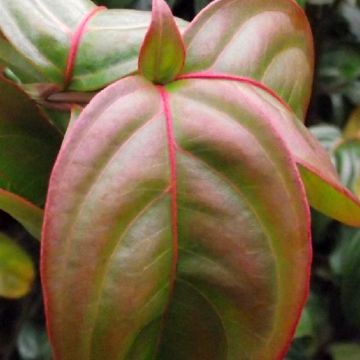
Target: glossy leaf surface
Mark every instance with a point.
(42, 30)
(270, 42)
(28, 142)
(230, 292)
(16, 269)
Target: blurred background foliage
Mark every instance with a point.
(330, 324)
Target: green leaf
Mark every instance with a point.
(302, 3)
(162, 54)
(347, 156)
(328, 135)
(118, 3)
(32, 343)
(345, 351)
(42, 31)
(305, 327)
(12, 59)
(179, 211)
(16, 269)
(200, 4)
(27, 214)
(352, 128)
(347, 264)
(29, 144)
(271, 42)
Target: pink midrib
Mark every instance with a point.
(173, 182)
(208, 75)
(75, 43)
(172, 189)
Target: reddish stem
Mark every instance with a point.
(75, 42)
(242, 79)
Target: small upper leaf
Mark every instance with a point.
(162, 54)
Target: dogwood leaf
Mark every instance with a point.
(186, 249)
(270, 42)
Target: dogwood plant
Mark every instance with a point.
(177, 221)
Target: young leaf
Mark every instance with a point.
(188, 250)
(27, 214)
(270, 42)
(162, 54)
(29, 144)
(16, 269)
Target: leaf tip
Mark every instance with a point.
(162, 54)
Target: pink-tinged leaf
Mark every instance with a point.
(331, 197)
(162, 54)
(269, 41)
(323, 186)
(26, 213)
(176, 227)
(28, 143)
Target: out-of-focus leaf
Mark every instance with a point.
(225, 268)
(32, 343)
(320, 2)
(118, 3)
(352, 128)
(347, 158)
(345, 351)
(27, 214)
(28, 143)
(339, 66)
(16, 269)
(351, 13)
(349, 256)
(305, 327)
(328, 135)
(302, 3)
(352, 92)
(271, 42)
(60, 119)
(200, 4)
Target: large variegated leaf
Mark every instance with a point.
(28, 144)
(42, 32)
(269, 41)
(178, 240)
